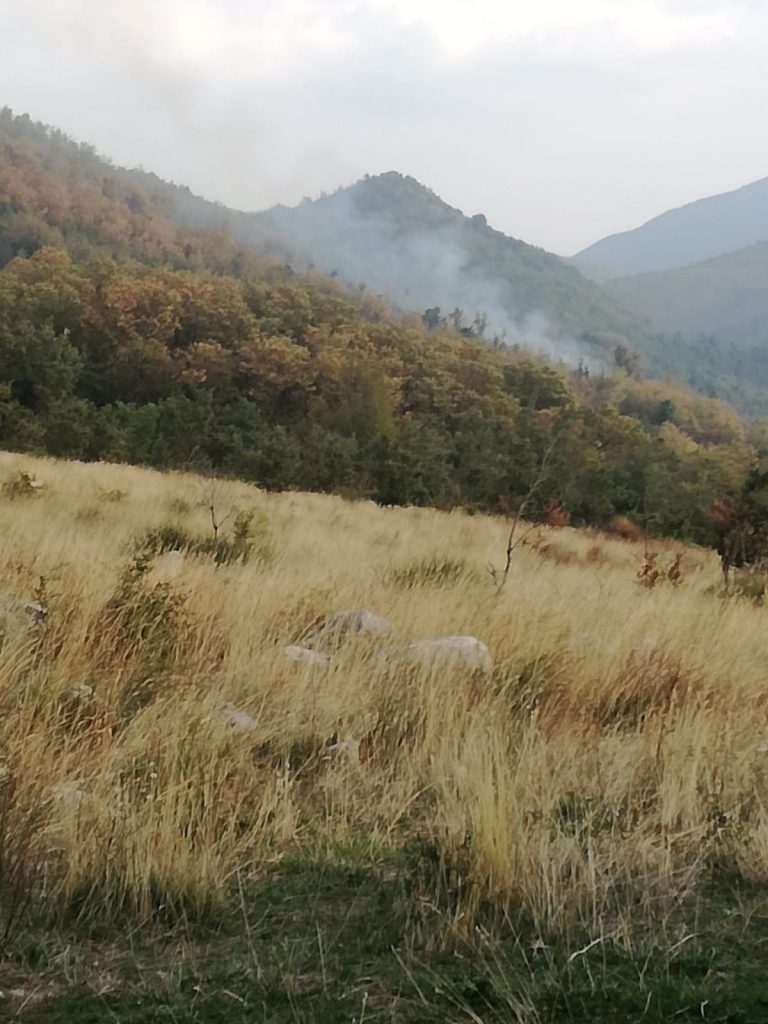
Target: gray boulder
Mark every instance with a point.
(448, 652)
(305, 656)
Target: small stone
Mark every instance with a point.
(303, 655)
(70, 796)
(234, 716)
(348, 749)
(80, 691)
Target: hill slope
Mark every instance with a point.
(200, 829)
(690, 234)
(126, 337)
(398, 237)
(726, 296)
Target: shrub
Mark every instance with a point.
(22, 485)
(145, 628)
(113, 496)
(435, 570)
(750, 585)
(249, 540)
(622, 526)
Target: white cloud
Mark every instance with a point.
(462, 27)
(561, 119)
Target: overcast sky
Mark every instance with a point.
(561, 120)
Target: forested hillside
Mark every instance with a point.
(398, 237)
(124, 337)
(716, 314)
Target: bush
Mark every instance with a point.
(145, 629)
(435, 571)
(750, 585)
(22, 485)
(249, 540)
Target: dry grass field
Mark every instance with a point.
(194, 827)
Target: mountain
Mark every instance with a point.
(726, 297)
(392, 234)
(386, 234)
(128, 337)
(396, 236)
(692, 233)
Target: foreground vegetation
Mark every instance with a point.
(195, 828)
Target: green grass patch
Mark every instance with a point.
(348, 935)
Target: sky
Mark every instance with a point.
(561, 120)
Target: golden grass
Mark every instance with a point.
(609, 760)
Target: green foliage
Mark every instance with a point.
(750, 585)
(250, 539)
(434, 571)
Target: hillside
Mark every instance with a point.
(693, 233)
(126, 337)
(716, 312)
(726, 296)
(386, 233)
(395, 235)
(197, 827)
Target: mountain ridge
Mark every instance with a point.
(692, 233)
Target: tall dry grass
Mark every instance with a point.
(612, 759)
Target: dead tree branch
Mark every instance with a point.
(500, 576)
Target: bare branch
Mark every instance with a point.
(500, 578)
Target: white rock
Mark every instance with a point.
(305, 656)
(347, 749)
(169, 565)
(240, 720)
(80, 691)
(29, 613)
(335, 628)
(68, 795)
(579, 640)
(450, 652)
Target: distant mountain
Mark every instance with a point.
(693, 233)
(726, 297)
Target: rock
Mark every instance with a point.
(80, 691)
(580, 640)
(335, 629)
(168, 566)
(305, 656)
(23, 613)
(34, 611)
(69, 796)
(234, 716)
(347, 749)
(450, 652)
